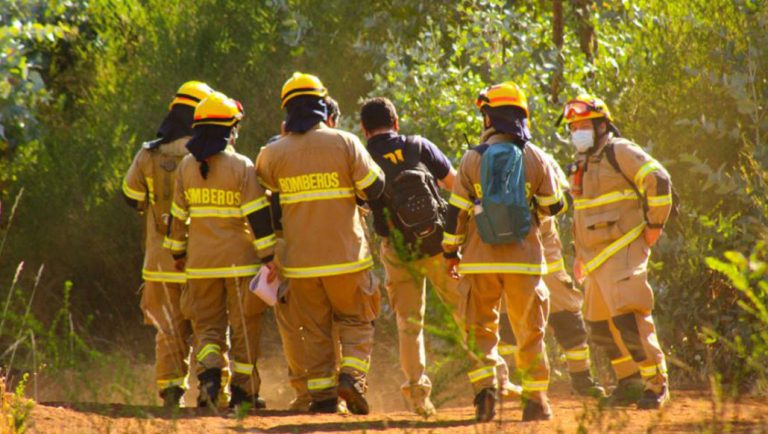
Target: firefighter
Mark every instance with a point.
(317, 171)
(228, 234)
(622, 201)
(510, 270)
(148, 187)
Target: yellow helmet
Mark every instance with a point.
(585, 106)
(504, 94)
(218, 109)
(191, 93)
(302, 84)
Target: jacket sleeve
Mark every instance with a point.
(255, 208)
(548, 189)
(460, 205)
(263, 171)
(367, 175)
(176, 239)
(650, 178)
(134, 184)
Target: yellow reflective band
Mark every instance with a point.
(550, 200)
(172, 382)
(482, 373)
(151, 188)
(163, 276)
(643, 172)
(174, 245)
(133, 194)
(205, 273)
(266, 242)
(535, 386)
(653, 370)
(308, 196)
(179, 212)
(502, 267)
(215, 211)
(254, 205)
(556, 266)
(507, 350)
(660, 200)
(605, 199)
(242, 368)
(369, 179)
(614, 247)
(355, 363)
(328, 270)
(321, 383)
(460, 202)
(576, 355)
(453, 240)
(621, 360)
(207, 350)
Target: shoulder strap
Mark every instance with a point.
(610, 155)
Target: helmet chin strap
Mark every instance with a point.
(597, 137)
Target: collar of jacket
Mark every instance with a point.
(382, 137)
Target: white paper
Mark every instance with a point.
(266, 291)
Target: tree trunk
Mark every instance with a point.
(557, 39)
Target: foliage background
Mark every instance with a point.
(83, 83)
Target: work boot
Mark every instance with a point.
(418, 397)
(324, 406)
(485, 405)
(210, 386)
(172, 396)
(352, 391)
(628, 392)
(584, 384)
(239, 397)
(535, 410)
(652, 400)
(510, 390)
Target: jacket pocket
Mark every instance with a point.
(602, 228)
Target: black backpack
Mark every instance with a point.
(412, 198)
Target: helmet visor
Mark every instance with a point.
(577, 108)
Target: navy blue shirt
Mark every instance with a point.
(432, 157)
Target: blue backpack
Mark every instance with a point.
(503, 215)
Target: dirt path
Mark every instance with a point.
(690, 411)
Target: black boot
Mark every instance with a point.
(324, 406)
(535, 410)
(485, 405)
(172, 396)
(652, 400)
(628, 392)
(352, 391)
(585, 384)
(210, 386)
(239, 397)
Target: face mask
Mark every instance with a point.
(583, 139)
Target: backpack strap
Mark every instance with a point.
(610, 155)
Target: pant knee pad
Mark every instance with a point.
(630, 334)
(569, 328)
(600, 335)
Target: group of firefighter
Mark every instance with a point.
(214, 220)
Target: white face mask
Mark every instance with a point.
(583, 139)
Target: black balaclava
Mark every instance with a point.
(510, 120)
(208, 140)
(177, 124)
(304, 112)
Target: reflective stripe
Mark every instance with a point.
(321, 383)
(163, 276)
(204, 273)
(254, 205)
(643, 172)
(621, 360)
(133, 194)
(308, 196)
(266, 242)
(507, 350)
(460, 202)
(242, 368)
(369, 179)
(355, 363)
(604, 199)
(502, 267)
(151, 187)
(174, 245)
(215, 211)
(453, 240)
(576, 355)
(535, 386)
(556, 266)
(550, 200)
(653, 370)
(614, 247)
(328, 270)
(179, 212)
(172, 382)
(207, 350)
(482, 373)
(660, 200)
